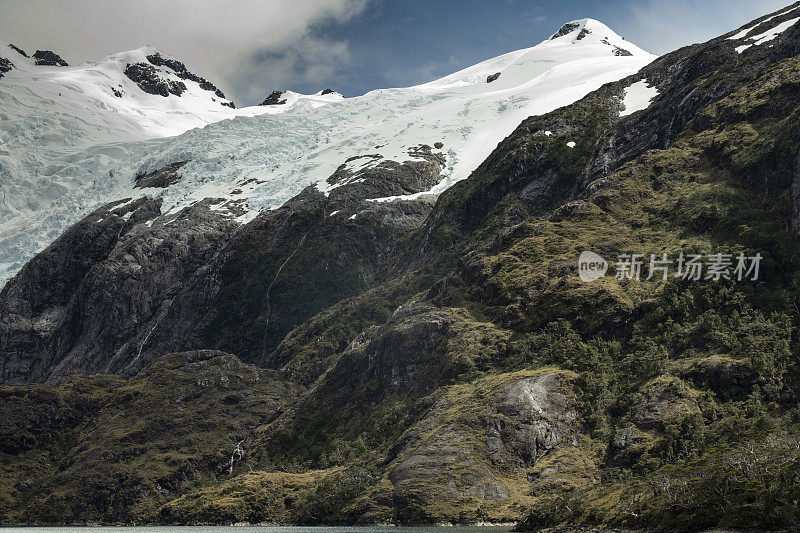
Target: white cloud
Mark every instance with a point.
(215, 38)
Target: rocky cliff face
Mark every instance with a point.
(85, 301)
(429, 360)
(134, 284)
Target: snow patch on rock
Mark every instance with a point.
(768, 35)
(741, 34)
(637, 97)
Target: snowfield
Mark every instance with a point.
(68, 145)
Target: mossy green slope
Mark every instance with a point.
(476, 378)
(109, 449)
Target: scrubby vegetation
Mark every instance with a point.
(470, 376)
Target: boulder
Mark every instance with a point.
(533, 416)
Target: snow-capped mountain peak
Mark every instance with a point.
(137, 94)
(591, 32)
(268, 153)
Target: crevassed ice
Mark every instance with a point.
(268, 158)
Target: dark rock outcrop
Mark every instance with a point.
(621, 52)
(492, 77)
(183, 73)
(628, 445)
(664, 401)
(162, 178)
(78, 306)
(368, 176)
(48, 58)
(274, 98)
(148, 80)
(328, 91)
(18, 50)
(5, 66)
(566, 29)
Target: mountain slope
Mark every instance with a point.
(261, 161)
(56, 119)
(444, 361)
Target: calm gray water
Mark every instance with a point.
(257, 529)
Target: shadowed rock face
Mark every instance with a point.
(293, 262)
(20, 51)
(126, 284)
(87, 296)
(728, 378)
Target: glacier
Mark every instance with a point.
(68, 145)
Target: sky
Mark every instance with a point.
(251, 47)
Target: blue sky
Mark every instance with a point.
(400, 43)
(251, 47)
